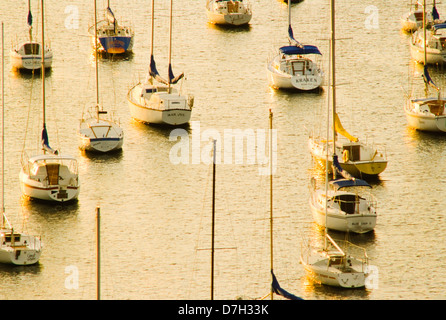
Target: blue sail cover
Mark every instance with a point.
(439, 26)
(427, 78)
(45, 141)
(293, 41)
(435, 13)
(305, 49)
(172, 78)
(278, 290)
(338, 169)
(30, 19)
(345, 183)
(153, 72)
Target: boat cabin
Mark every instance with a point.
(434, 106)
(29, 48)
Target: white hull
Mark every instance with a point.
(100, 136)
(30, 62)
(235, 13)
(333, 265)
(147, 109)
(235, 19)
(282, 80)
(60, 185)
(319, 272)
(26, 251)
(339, 221)
(433, 56)
(427, 114)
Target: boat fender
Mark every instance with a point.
(345, 156)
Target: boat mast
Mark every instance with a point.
(42, 50)
(96, 58)
(170, 43)
(98, 253)
(3, 132)
(332, 72)
(271, 193)
(213, 221)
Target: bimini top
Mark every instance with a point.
(345, 183)
(304, 49)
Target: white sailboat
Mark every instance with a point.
(358, 158)
(331, 264)
(109, 36)
(429, 113)
(97, 133)
(413, 20)
(28, 55)
(229, 12)
(15, 247)
(344, 206)
(292, 68)
(49, 175)
(429, 47)
(157, 101)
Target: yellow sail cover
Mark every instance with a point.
(340, 129)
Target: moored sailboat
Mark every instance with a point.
(109, 36)
(28, 55)
(292, 68)
(156, 100)
(49, 175)
(98, 133)
(229, 12)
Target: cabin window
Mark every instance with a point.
(31, 48)
(354, 152)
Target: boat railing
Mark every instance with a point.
(354, 250)
(358, 204)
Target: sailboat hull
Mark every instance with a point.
(36, 190)
(320, 273)
(26, 251)
(100, 136)
(116, 44)
(424, 122)
(357, 223)
(282, 80)
(147, 109)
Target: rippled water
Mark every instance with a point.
(155, 227)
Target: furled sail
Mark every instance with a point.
(278, 290)
(291, 39)
(428, 80)
(340, 129)
(111, 18)
(338, 169)
(435, 13)
(45, 142)
(30, 19)
(153, 72)
(172, 78)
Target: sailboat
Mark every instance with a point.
(15, 247)
(156, 100)
(97, 133)
(28, 55)
(413, 20)
(229, 12)
(109, 36)
(429, 47)
(292, 68)
(429, 113)
(359, 159)
(49, 175)
(334, 264)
